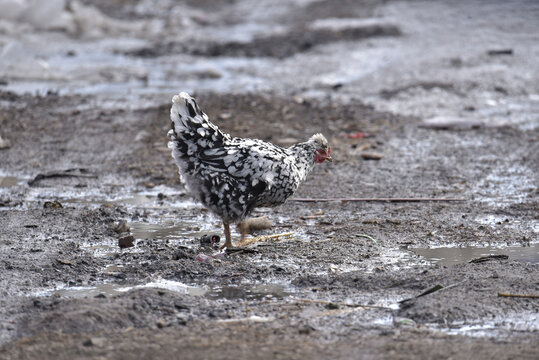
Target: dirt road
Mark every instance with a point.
(417, 99)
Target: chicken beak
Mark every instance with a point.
(329, 158)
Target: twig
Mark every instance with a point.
(431, 290)
(324, 302)
(488, 258)
(344, 200)
(500, 52)
(531, 296)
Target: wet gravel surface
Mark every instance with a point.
(83, 170)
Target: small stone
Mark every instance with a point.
(52, 205)
(224, 116)
(126, 242)
(121, 227)
(66, 262)
(298, 99)
(306, 330)
(401, 322)
(332, 306)
(94, 341)
(4, 144)
(142, 135)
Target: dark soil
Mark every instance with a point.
(345, 285)
(42, 247)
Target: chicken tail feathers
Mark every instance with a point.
(192, 132)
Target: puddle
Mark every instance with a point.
(134, 199)
(160, 197)
(184, 230)
(250, 292)
(451, 255)
(213, 292)
(85, 291)
(103, 250)
(507, 326)
(495, 221)
(167, 231)
(8, 181)
(507, 185)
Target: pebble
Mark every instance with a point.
(52, 205)
(94, 341)
(4, 144)
(121, 227)
(126, 242)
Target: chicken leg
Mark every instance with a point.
(228, 241)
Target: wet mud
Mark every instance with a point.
(355, 279)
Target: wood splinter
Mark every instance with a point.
(531, 296)
(249, 241)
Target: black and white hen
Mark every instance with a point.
(232, 176)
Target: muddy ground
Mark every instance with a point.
(448, 97)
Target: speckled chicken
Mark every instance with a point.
(232, 176)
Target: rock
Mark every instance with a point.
(142, 135)
(126, 242)
(332, 306)
(4, 144)
(402, 322)
(298, 99)
(52, 205)
(94, 341)
(66, 262)
(306, 330)
(122, 227)
(160, 324)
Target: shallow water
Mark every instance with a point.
(499, 328)
(448, 256)
(214, 292)
(8, 181)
